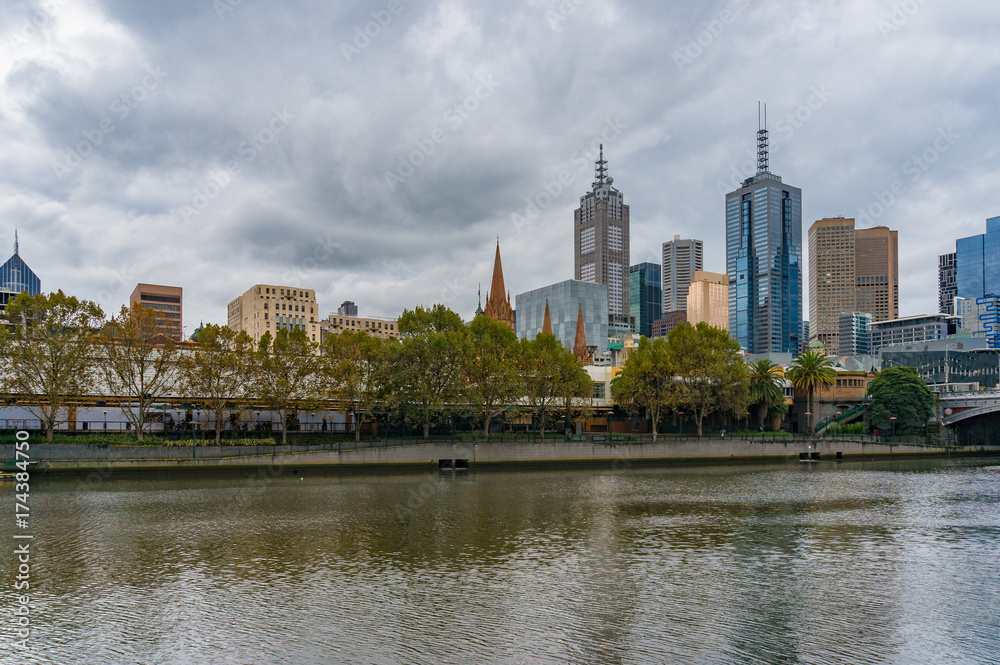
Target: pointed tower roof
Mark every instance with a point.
(497, 308)
(580, 345)
(497, 285)
(547, 321)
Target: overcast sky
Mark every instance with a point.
(374, 151)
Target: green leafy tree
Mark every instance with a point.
(427, 366)
(646, 385)
(217, 373)
(899, 392)
(140, 363)
(491, 367)
(550, 375)
(356, 367)
(766, 387)
(285, 375)
(576, 385)
(710, 369)
(809, 371)
(421, 321)
(47, 349)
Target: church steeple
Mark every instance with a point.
(497, 308)
(580, 344)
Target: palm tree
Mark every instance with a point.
(811, 370)
(765, 386)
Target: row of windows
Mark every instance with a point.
(291, 293)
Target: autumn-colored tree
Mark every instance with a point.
(140, 362)
(47, 348)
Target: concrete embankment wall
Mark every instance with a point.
(80, 457)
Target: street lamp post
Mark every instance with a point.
(892, 419)
(105, 421)
(680, 416)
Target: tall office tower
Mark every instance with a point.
(876, 269)
(645, 296)
(347, 308)
(680, 259)
(850, 270)
(167, 301)
(16, 276)
(708, 299)
(947, 287)
(764, 260)
(977, 263)
(601, 243)
(831, 278)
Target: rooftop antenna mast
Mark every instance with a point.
(600, 170)
(15, 241)
(762, 141)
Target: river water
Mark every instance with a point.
(790, 563)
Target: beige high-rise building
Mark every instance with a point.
(708, 299)
(269, 308)
(168, 301)
(876, 269)
(850, 270)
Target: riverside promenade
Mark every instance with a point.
(57, 458)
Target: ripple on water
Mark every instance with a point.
(852, 564)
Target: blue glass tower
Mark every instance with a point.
(977, 263)
(16, 276)
(645, 295)
(764, 260)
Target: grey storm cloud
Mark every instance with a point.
(374, 151)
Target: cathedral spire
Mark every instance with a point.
(580, 344)
(497, 308)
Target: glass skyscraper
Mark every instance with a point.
(977, 263)
(565, 300)
(16, 276)
(645, 296)
(764, 261)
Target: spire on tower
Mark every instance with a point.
(15, 241)
(600, 170)
(762, 141)
(580, 349)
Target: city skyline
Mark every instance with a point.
(218, 146)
